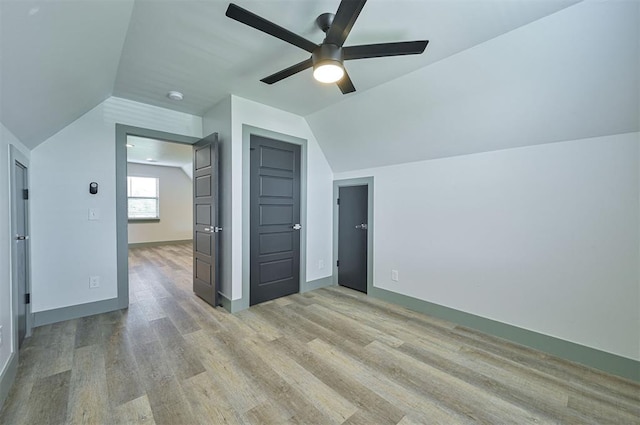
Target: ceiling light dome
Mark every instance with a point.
(328, 71)
(175, 95)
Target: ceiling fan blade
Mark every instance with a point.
(384, 49)
(293, 69)
(261, 24)
(345, 84)
(346, 16)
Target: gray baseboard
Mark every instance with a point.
(607, 362)
(7, 378)
(158, 243)
(316, 284)
(47, 317)
(232, 306)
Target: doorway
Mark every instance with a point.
(160, 213)
(127, 135)
(20, 247)
(353, 233)
(274, 219)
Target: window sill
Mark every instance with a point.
(144, 220)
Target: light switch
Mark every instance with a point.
(94, 214)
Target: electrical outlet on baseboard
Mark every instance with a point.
(94, 281)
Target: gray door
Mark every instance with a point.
(21, 240)
(352, 237)
(205, 219)
(275, 219)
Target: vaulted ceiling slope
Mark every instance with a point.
(59, 58)
(571, 75)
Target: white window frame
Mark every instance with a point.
(157, 199)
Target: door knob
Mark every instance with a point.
(216, 229)
(362, 226)
(297, 227)
(21, 238)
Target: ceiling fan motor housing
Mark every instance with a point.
(327, 53)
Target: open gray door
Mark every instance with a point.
(205, 219)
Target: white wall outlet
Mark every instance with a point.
(394, 275)
(94, 281)
(0, 336)
(94, 214)
(320, 264)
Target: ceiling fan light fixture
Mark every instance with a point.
(328, 71)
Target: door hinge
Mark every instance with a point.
(27, 298)
(25, 193)
(338, 263)
(338, 201)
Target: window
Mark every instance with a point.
(144, 203)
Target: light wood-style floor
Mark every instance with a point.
(326, 357)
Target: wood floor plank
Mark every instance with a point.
(377, 408)
(87, 403)
(283, 394)
(329, 356)
(136, 325)
(48, 400)
(123, 382)
(319, 394)
(180, 357)
(450, 391)
(88, 331)
(151, 308)
(134, 412)
(267, 413)
(168, 403)
(545, 400)
(182, 321)
(424, 408)
(229, 379)
(208, 403)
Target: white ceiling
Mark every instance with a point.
(58, 59)
(163, 153)
(570, 76)
(67, 56)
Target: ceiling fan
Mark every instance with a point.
(328, 57)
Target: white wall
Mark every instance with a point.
(319, 186)
(544, 237)
(176, 205)
(67, 248)
(218, 120)
(6, 314)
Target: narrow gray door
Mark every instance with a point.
(21, 241)
(352, 237)
(205, 219)
(275, 219)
